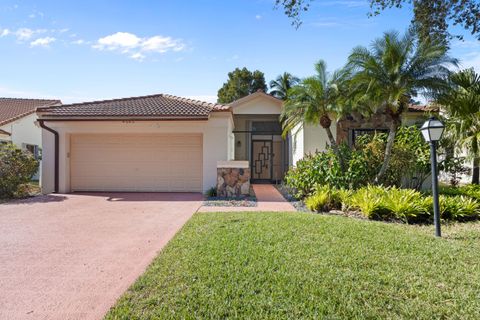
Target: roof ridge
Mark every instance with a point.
(30, 99)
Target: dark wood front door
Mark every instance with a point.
(262, 160)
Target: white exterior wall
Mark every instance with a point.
(259, 105)
(297, 136)
(315, 138)
(309, 139)
(216, 138)
(24, 131)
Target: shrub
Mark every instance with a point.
(371, 202)
(471, 190)
(324, 199)
(407, 205)
(409, 165)
(323, 168)
(212, 192)
(457, 208)
(16, 168)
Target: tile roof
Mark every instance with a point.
(162, 106)
(12, 109)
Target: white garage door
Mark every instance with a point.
(167, 163)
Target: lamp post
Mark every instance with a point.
(432, 131)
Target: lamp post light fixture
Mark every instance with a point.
(432, 131)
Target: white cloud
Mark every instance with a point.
(23, 34)
(137, 56)
(79, 41)
(471, 60)
(137, 47)
(258, 17)
(118, 41)
(4, 32)
(42, 42)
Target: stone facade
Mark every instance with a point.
(233, 182)
(357, 121)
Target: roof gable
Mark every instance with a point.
(257, 103)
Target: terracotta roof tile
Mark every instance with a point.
(158, 106)
(12, 109)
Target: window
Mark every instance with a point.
(355, 133)
(272, 127)
(33, 149)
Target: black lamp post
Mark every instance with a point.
(432, 131)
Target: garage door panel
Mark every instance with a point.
(136, 163)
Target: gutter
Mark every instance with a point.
(55, 134)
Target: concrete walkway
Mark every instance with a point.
(268, 199)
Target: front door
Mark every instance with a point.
(262, 164)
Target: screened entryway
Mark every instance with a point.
(261, 143)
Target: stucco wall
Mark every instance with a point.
(24, 130)
(216, 136)
(259, 105)
(297, 143)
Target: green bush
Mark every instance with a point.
(372, 203)
(323, 168)
(409, 165)
(455, 208)
(16, 169)
(212, 192)
(471, 190)
(325, 199)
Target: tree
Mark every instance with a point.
(462, 106)
(316, 100)
(280, 86)
(241, 83)
(433, 18)
(395, 69)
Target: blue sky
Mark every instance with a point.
(87, 50)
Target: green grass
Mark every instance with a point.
(297, 265)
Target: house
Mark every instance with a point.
(17, 123)
(167, 143)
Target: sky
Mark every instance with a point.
(101, 49)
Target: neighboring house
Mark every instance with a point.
(167, 143)
(17, 123)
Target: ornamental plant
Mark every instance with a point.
(16, 169)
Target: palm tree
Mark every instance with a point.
(394, 70)
(280, 86)
(462, 108)
(315, 100)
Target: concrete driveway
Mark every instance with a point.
(71, 256)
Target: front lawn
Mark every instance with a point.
(296, 265)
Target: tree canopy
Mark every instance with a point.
(280, 86)
(241, 83)
(392, 71)
(461, 103)
(433, 18)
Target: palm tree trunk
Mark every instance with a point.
(388, 149)
(334, 145)
(476, 162)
